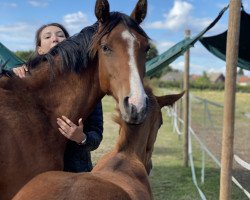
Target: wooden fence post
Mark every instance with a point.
(229, 99)
(186, 102)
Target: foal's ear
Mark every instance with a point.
(102, 10)
(169, 100)
(140, 11)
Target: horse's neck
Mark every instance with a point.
(70, 94)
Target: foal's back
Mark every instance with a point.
(61, 185)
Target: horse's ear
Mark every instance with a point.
(140, 11)
(102, 10)
(169, 100)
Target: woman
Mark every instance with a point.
(84, 137)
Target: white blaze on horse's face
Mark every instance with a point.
(137, 97)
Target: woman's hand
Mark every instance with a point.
(20, 71)
(71, 130)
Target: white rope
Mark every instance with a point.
(172, 112)
(204, 147)
(203, 197)
(176, 127)
(240, 186)
(242, 162)
(203, 167)
(193, 169)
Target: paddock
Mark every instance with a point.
(169, 179)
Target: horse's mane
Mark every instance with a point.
(78, 51)
(73, 51)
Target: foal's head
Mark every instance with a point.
(154, 122)
(121, 46)
(141, 138)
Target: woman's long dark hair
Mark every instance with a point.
(38, 34)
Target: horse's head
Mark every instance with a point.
(121, 46)
(153, 122)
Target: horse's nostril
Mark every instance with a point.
(147, 102)
(125, 102)
(134, 112)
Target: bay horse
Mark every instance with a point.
(105, 58)
(121, 174)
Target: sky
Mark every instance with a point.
(165, 23)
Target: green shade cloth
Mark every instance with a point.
(217, 44)
(8, 58)
(163, 60)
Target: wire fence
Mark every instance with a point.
(206, 123)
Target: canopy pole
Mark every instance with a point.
(229, 99)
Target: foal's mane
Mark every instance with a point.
(78, 51)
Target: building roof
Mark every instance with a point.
(243, 79)
(172, 76)
(214, 77)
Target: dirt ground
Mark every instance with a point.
(212, 141)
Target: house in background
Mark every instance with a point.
(216, 77)
(243, 80)
(173, 76)
(177, 76)
(194, 77)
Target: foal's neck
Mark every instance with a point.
(139, 139)
(132, 140)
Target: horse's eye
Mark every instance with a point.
(105, 48)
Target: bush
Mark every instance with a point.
(244, 89)
(24, 55)
(197, 85)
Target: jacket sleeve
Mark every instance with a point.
(93, 128)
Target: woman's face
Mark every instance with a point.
(50, 36)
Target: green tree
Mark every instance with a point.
(24, 55)
(240, 72)
(163, 70)
(152, 52)
(203, 81)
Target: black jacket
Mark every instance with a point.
(77, 158)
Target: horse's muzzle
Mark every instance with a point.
(133, 114)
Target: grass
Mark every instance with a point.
(169, 179)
